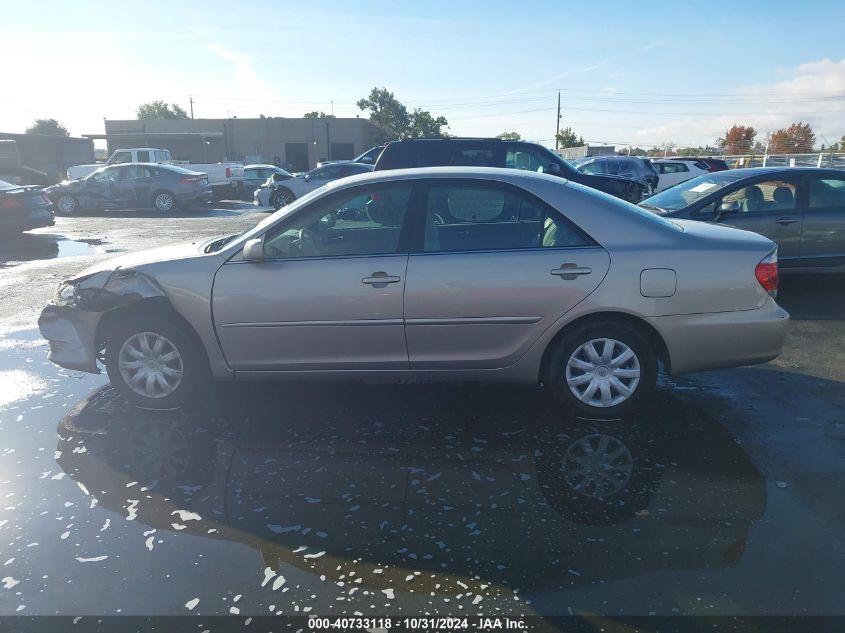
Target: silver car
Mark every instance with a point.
(277, 192)
(456, 274)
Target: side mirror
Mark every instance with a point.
(553, 169)
(725, 208)
(307, 177)
(254, 250)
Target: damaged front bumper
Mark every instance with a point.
(70, 333)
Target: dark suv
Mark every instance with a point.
(628, 166)
(493, 152)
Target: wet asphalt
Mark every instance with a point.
(725, 497)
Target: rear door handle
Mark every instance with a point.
(380, 279)
(785, 221)
(570, 271)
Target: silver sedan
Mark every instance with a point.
(467, 274)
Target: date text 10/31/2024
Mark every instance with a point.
(479, 623)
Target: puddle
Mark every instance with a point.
(27, 248)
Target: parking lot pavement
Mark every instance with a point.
(723, 497)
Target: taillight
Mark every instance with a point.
(189, 179)
(10, 203)
(228, 172)
(767, 273)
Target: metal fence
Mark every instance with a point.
(834, 160)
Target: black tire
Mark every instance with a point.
(164, 201)
(190, 364)
(66, 204)
(556, 381)
(280, 197)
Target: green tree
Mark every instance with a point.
(568, 138)
(160, 110)
(395, 121)
(509, 136)
(423, 125)
(50, 127)
(739, 139)
(317, 115)
(798, 138)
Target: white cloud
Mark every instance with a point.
(813, 92)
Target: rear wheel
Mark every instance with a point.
(164, 201)
(602, 370)
(154, 362)
(281, 197)
(66, 204)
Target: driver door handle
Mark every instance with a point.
(570, 271)
(785, 221)
(380, 279)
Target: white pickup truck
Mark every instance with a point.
(224, 178)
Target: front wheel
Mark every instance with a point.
(602, 370)
(164, 201)
(67, 204)
(281, 197)
(154, 362)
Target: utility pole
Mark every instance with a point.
(557, 128)
(332, 107)
(191, 101)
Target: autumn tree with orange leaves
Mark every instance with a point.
(738, 140)
(798, 138)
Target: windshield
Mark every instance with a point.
(684, 194)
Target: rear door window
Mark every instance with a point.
(469, 217)
(473, 157)
(827, 193)
(143, 156)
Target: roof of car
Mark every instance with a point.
(261, 166)
(486, 173)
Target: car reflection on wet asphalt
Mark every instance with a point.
(441, 497)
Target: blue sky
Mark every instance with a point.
(643, 72)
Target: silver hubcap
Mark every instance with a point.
(597, 466)
(603, 372)
(66, 204)
(159, 450)
(164, 202)
(150, 364)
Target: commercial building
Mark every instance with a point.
(297, 144)
(45, 152)
(571, 153)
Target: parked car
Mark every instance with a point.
(224, 178)
(369, 157)
(23, 208)
(276, 194)
(256, 176)
(801, 209)
(21, 175)
(132, 186)
(710, 164)
(494, 152)
(673, 171)
(443, 274)
(630, 166)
